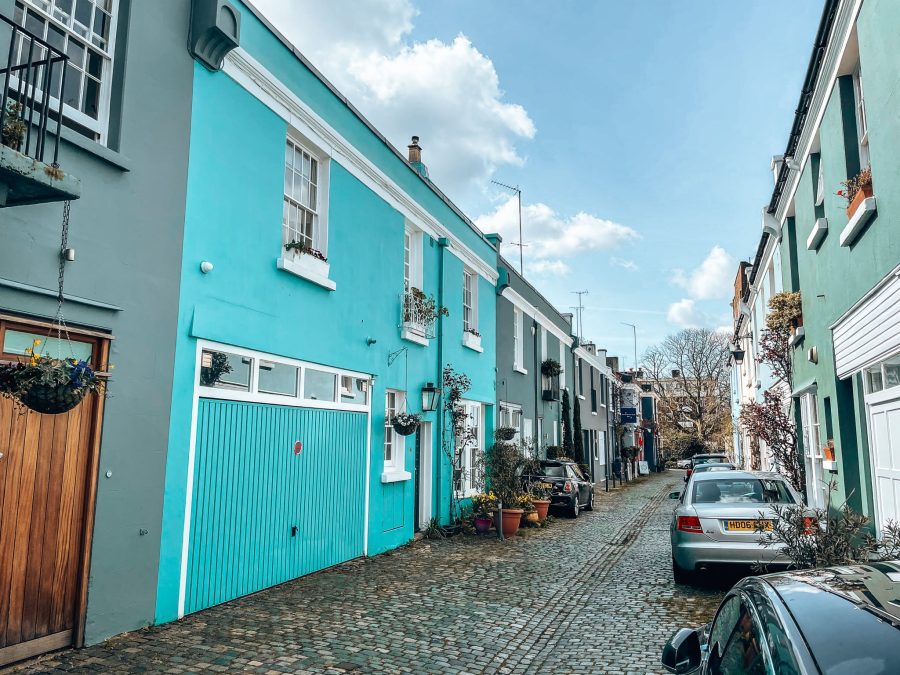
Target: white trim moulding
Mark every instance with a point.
(860, 217)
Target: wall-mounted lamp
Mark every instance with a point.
(206, 267)
(738, 355)
(430, 396)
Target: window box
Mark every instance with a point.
(414, 333)
(472, 341)
(308, 267)
(861, 210)
(820, 229)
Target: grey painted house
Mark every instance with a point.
(84, 489)
(529, 332)
(592, 387)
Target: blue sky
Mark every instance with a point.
(639, 132)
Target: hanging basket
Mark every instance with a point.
(506, 433)
(52, 399)
(405, 429)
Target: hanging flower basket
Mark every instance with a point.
(506, 433)
(405, 424)
(47, 385)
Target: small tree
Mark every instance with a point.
(567, 427)
(504, 467)
(578, 440)
(457, 435)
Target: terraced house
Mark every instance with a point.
(842, 253)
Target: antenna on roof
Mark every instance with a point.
(519, 243)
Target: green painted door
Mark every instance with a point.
(266, 509)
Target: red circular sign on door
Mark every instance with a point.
(298, 447)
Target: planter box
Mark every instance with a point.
(307, 267)
(861, 195)
(472, 341)
(860, 211)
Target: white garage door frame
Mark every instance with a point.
(878, 404)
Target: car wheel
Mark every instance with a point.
(682, 576)
(590, 504)
(575, 509)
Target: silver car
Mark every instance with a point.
(716, 520)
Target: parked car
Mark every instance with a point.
(829, 620)
(683, 463)
(715, 522)
(709, 458)
(569, 487)
(718, 466)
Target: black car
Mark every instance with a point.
(828, 620)
(568, 484)
(706, 458)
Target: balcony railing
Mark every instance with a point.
(550, 390)
(32, 82)
(418, 313)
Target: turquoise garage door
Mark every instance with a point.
(266, 509)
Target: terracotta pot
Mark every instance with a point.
(482, 525)
(863, 193)
(542, 506)
(512, 518)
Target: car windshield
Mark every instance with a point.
(741, 491)
(553, 470)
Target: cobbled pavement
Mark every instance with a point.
(591, 595)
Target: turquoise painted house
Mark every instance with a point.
(316, 261)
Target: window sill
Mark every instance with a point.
(830, 466)
(520, 370)
(395, 476)
(820, 229)
(93, 148)
(797, 337)
(411, 335)
(309, 268)
(581, 397)
(858, 221)
(473, 342)
(593, 412)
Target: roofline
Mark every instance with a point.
(334, 90)
(829, 13)
(503, 261)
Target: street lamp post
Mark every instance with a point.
(634, 331)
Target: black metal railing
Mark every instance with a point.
(33, 81)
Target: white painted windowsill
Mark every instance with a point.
(395, 476)
(309, 268)
(858, 221)
(519, 369)
(581, 397)
(473, 342)
(413, 336)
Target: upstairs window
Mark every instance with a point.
(862, 126)
(394, 443)
(85, 31)
(470, 301)
(412, 258)
(302, 221)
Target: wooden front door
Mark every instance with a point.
(47, 484)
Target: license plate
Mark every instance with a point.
(547, 486)
(747, 525)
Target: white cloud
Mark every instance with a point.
(685, 314)
(548, 268)
(446, 93)
(712, 278)
(549, 235)
(629, 265)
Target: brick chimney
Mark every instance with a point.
(415, 151)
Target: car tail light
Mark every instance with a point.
(689, 472)
(567, 487)
(689, 524)
(809, 525)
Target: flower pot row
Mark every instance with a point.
(512, 519)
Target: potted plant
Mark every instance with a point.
(420, 308)
(504, 464)
(505, 433)
(14, 127)
(303, 248)
(405, 423)
(529, 512)
(856, 190)
(483, 507)
(540, 498)
(48, 385)
(551, 368)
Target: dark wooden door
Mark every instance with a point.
(46, 491)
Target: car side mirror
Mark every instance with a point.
(682, 653)
(675, 495)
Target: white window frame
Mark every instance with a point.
(412, 257)
(812, 449)
(862, 124)
(470, 300)
(255, 396)
(511, 416)
(562, 363)
(396, 442)
(319, 238)
(519, 341)
(543, 344)
(100, 125)
(474, 413)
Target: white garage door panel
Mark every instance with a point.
(885, 425)
(870, 331)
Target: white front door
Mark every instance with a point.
(884, 424)
(424, 476)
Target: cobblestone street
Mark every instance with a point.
(589, 595)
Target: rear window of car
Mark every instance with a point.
(741, 491)
(554, 470)
(717, 459)
(715, 467)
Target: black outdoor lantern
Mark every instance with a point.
(738, 356)
(430, 396)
